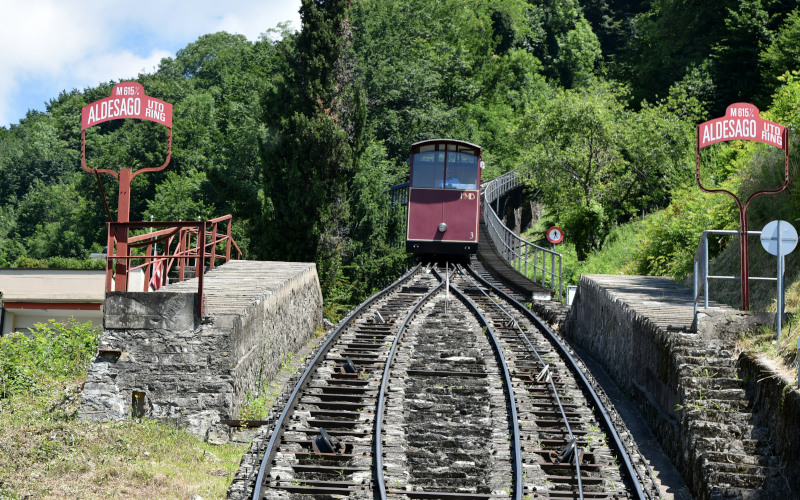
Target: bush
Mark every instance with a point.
(51, 351)
(59, 263)
(671, 235)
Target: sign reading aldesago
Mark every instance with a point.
(127, 100)
(741, 121)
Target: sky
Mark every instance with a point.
(54, 45)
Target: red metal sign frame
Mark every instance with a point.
(127, 100)
(742, 121)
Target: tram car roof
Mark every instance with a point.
(433, 141)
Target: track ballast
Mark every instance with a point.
(472, 396)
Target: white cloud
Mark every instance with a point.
(53, 45)
(41, 35)
(123, 65)
(257, 21)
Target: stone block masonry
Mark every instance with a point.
(686, 379)
(157, 360)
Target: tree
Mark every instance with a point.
(783, 54)
(314, 116)
(579, 53)
(735, 55)
(667, 39)
(50, 221)
(597, 163)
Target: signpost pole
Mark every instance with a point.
(745, 258)
(123, 215)
(779, 238)
(779, 312)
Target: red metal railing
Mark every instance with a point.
(183, 242)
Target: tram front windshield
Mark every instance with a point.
(445, 169)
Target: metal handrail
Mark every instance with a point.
(187, 239)
(701, 275)
(518, 252)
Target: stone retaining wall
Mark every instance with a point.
(157, 360)
(634, 351)
(779, 406)
(724, 420)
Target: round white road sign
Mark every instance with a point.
(775, 230)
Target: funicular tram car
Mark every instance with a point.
(444, 198)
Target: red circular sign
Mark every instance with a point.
(555, 235)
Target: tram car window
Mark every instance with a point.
(430, 173)
(444, 198)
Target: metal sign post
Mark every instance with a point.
(779, 238)
(742, 121)
(447, 287)
(127, 100)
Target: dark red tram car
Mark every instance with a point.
(444, 197)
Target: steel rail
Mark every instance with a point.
(378, 458)
(549, 378)
(277, 431)
(633, 474)
(512, 405)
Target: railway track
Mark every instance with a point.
(471, 398)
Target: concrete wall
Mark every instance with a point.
(158, 360)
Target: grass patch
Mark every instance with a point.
(46, 452)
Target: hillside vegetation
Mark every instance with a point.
(46, 452)
(299, 134)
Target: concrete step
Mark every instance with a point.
(699, 395)
(764, 483)
(709, 430)
(756, 446)
(712, 363)
(722, 492)
(769, 461)
(712, 414)
(714, 383)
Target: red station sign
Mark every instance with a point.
(127, 100)
(742, 121)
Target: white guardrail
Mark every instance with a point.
(536, 263)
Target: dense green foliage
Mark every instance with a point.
(300, 134)
(51, 351)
